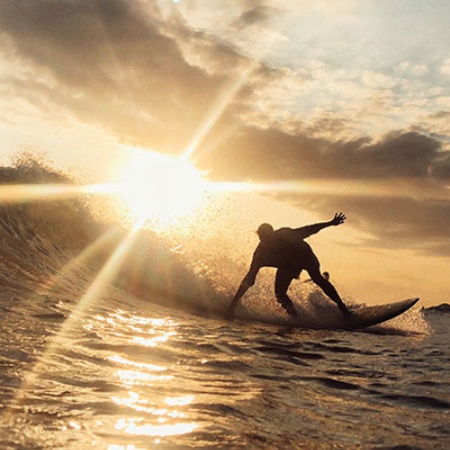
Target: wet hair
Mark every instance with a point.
(264, 230)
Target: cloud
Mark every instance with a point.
(397, 154)
(154, 81)
(393, 223)
(396, 189)
(108, 62)
(254, 12)
(445, 68)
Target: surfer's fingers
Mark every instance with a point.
(339, 218)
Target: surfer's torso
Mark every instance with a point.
(285, 249)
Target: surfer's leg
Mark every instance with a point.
(282, 282)
(314, 272)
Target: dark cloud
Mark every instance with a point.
(252, 16)
(273, 154)
(254, 12)
(411, 212)
(440, 168)
(392, 222)
(398, 154)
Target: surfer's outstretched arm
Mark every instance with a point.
(308, 230)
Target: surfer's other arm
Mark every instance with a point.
(247, 282)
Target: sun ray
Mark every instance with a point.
(18, 193)
(217, 110)
(389, 188)
(80, 260)
(104, 277)
(229, 93)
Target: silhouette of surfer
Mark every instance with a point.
(286, 250)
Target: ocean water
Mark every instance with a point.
(100, 353)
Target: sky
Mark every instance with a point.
(332, 106)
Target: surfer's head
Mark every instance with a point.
(264, 231)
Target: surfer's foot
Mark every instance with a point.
(344, 310)
(292, 315)
(292, 318)
(291, 311)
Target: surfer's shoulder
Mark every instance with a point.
(285, 231)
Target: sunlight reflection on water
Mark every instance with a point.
(132, 377)
(124, 447)
(135, 427)
(126, 362)
(151, 342)
(158, 415)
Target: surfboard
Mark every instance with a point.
(362, 316)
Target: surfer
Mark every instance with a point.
(286, 250)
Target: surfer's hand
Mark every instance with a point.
(338, 219)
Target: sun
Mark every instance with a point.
(161, 189)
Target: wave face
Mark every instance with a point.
(60, 243)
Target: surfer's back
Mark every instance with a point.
(283, 249)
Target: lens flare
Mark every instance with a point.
(159, 188)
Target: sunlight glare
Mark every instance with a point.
(161, 189)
